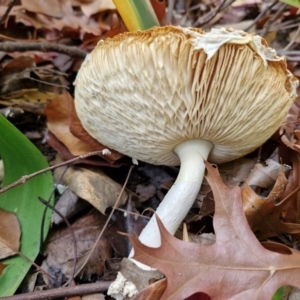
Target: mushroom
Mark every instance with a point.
(172, 95)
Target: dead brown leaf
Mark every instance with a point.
(236, 266)
(292, 207)
(264, 215)
(58, 122)
(264, 175)
(153, 291)
(9, 234)
(60, 249)
(49, 7)
(93, 186)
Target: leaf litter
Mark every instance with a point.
(236, 266)
(83, 23)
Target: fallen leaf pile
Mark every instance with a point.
(227, 249)
(236, 266)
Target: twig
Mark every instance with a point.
(27, 177)
(36, 266)
(293, 39)
(293, 52)
(273, 19)
(291, 58)
(9, 8)
(45, 210)
(43, 47)
(208, 17)
(286, 24)
(132, 213)
(170, 11)
(83, 289)
(107, 221)
(262, 13)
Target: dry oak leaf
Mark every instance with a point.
(265, 215)
(9, 234)
(235, 267)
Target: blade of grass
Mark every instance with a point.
(21, 157)
(137, 14)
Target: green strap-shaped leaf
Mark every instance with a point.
(279, 294)
(21, 157)
(295, 3)
(137, 14)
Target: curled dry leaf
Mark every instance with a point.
(58, 121)
(237, 264)
(265, 174)
(292, 207)
(9, 234)
(265, 215)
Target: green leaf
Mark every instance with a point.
(295, 3)
(279, 294)
(21, 157)
(137, 14)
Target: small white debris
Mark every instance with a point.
(106, 152)
(135, 161)
(61, 188)
(121, 288)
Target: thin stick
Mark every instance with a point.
(83, 289)
(24, 178)
(170, 11)
(274, 18)
(132, 213)
(45, 210)
(209, 16)
(43, 47)
(36, 266)
(9, 8)
(292, 40)
(262, 13)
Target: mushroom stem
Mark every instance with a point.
(183, 193)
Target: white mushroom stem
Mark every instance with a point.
(183, 193)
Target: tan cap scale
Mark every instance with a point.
(173, 95)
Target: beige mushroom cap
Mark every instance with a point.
(143, 93)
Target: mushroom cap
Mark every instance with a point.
(144, 93)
